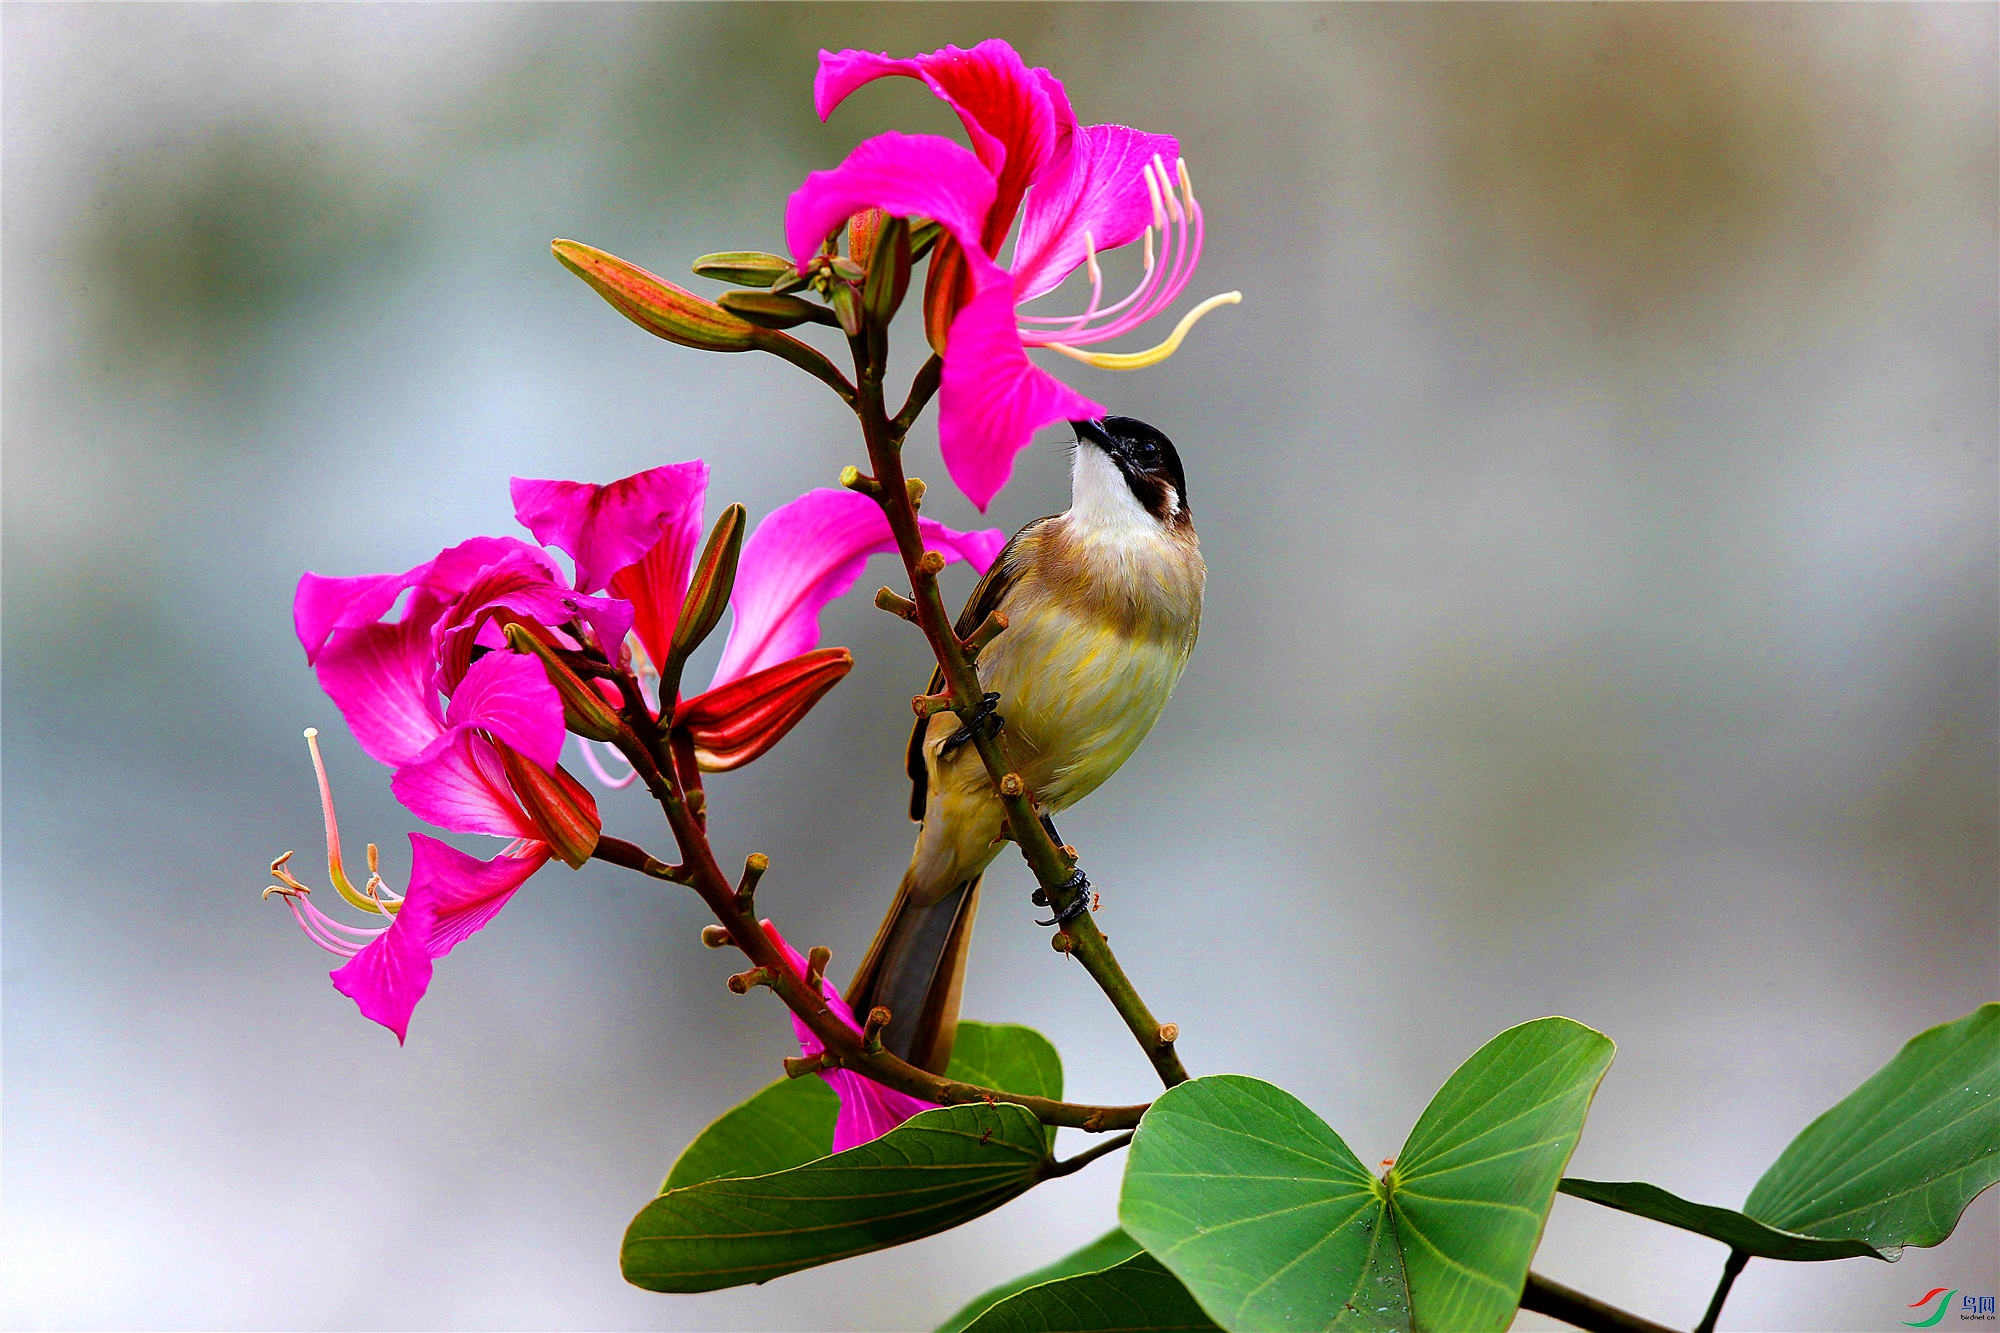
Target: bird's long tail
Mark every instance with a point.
(916, 970)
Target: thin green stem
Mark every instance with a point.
(1573, 1307)
(1080, 938)
(1731, 1268)
(1069, 1165)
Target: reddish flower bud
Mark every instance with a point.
(655, 304)
(862, 229)
(737, 722)
(562, 810)
(888, 272)
(947, 290)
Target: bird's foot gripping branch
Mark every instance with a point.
(473, 673)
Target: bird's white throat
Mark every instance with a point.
(1102, 503)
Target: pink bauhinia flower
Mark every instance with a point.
(1078, 190)
(640, 537)
(868, 1109)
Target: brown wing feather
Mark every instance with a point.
(993, 587)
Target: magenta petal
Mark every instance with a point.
(1099, 186)
(909, 175)
(379, 676)
(993, 398)
(1005, 108)
(509, 695)
(605, 528)
(466, 891)
(459, 784)
(526, 586)
(805, 554)
(867, 1109)
(386, 979)
(323, 605)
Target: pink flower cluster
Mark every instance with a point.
(420, 667)
(1076, 191)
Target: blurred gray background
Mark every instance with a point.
(1598, 485)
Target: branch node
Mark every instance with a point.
(1061, 942)
(854, 479)
(1169, 1033)
(930, 705)
(914, 487)
(816, 960)
(930, 564)
(754, 866)
(896, 605)
(1012, 786)
(989, 630)
(756, 976)
(871, 1036)
(798, 1066)
(716, 937)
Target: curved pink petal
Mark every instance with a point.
(606, 528)
(867, 1109)
(322, 605)
(509, 695)
(526, 585)
(379, 677)
(909, 175)
(805, 554)
(460, 784)
(451, 896)
(1098, 186)
(993, 398)
(1005, 108)
(386, 979)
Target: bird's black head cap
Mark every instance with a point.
(1146, 458)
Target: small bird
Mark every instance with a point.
(1103, 603)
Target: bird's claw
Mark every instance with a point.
(1078, 905)
(986, 722)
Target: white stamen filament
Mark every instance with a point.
(598, 770)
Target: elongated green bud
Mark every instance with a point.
(585, 711)
(846, 308)
(888, 273)
(767, 311)
(654, 304)
(714, 579)
(744, 268)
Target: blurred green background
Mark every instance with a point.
(1599, 490)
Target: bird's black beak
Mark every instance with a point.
(1094, 432)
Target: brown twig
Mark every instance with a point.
(1573, 1307)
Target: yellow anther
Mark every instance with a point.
(1152, 356)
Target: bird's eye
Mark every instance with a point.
(1145, 453)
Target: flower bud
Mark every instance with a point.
(562, 811)
(734, 723)
(846, 308)
(655, 304)
(923, 235)
(743, 268)
(947, 290)
(714, 579)
(862, 229)
(585, 711)
(888, 273)
(774, 312)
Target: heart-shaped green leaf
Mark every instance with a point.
(1897, 1161)
(931, 1173)
(1113, 1247)
(1273, 1223)
(1136, 1294)
(1732, 1228)
(790, 1122)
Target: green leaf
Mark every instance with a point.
(929, 1174)
(1273, 1223)
(788, 1124)
(1732, 1228)
(1113, 1247)
(1899, 1159)
(1009, 1057)
(1136, 1294)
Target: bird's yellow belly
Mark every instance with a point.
(1078, 694)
